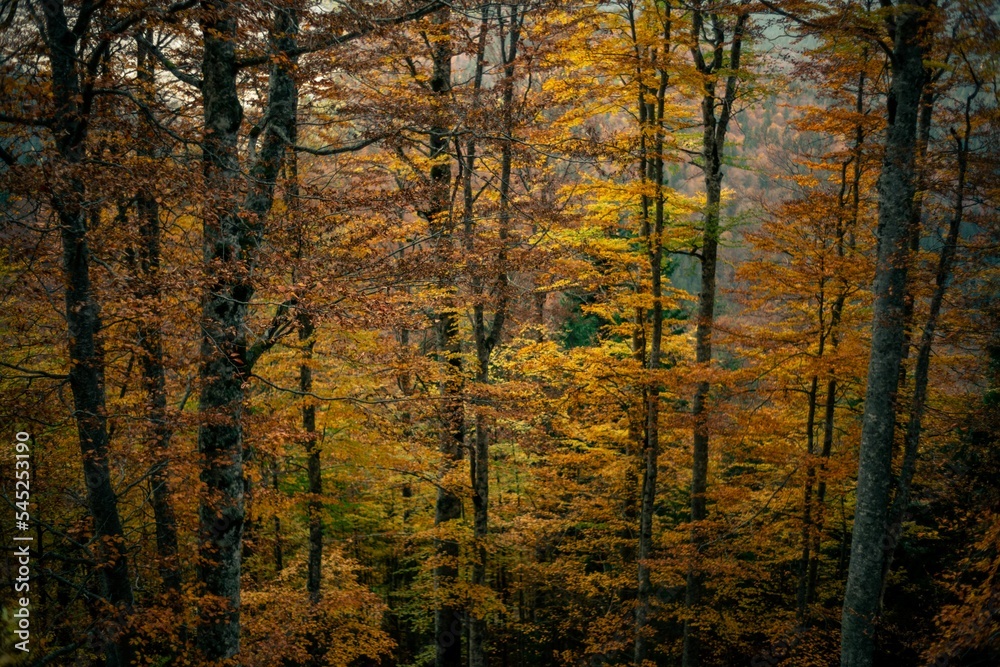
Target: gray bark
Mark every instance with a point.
(72, 100)
(895, 207)
(232, 234)
(901, 501)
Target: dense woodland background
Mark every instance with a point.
(555, 332)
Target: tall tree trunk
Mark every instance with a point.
(901, 501)
(924, 119)
(150, 340)
(83, 312)
(896, 189)
(307, 329)
(314, 473)
(279, 552)
(636, 418)
(807, 501)
(651, 452)
(448, 617)
(713, 146)
(220, 439)
(486, 337)
(232, 234)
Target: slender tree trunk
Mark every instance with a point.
(150, 340)
(83, 318)
(896, 189)
(232, 233)
(915, 231)
(485, 338)
(279, 553)
(713, 146)
(651, 453)
(448, 617)
(314, 472)
(807, 501)
(306, 331)
(901, 501)
(636, 421)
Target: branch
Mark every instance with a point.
(34, 373)
(329, 150)
(146, 111)
(325, 41)
(280, 325)
(180, 75)
(817, 25)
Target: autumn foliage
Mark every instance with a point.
(526, 333)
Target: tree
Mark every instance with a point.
(714, 127)
(896, 191)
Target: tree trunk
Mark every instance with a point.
(896, 189)
(83, 317)
(448, 617)
(315, 506)
(807, 501)
(307, 329)
(232, 234)
(279, 554)
(845, 226)
(901, 501)
(486, 337)
(150, 340)
(651, 451)
(713, 146)
(924, 119)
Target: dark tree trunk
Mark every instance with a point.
(896, 189)
(448, 617)
(314, 473)
(72, 104)
(713, 146)
(636, 448)
(802, 597)
(153, 367)
(651, 451)
(846, 224)
(232, 234)
(487, 336)
(924, 119)
(279, 552)
(901, 501)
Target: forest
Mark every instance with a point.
(516, 333)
